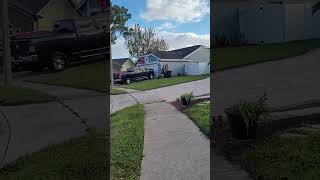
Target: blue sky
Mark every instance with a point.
(181, 22)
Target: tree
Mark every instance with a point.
(141, 41)
(119, 17)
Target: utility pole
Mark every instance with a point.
(111, 65)
(7, 71)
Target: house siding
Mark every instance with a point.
(53, 11)
(278, 23)
(126, 65)
(154, 64)
(20, 20)
(262, 25)
(200, 55)
(177, 68)
(225, 20)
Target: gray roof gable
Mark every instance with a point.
(177, 53)
(121, 60)
(32, 6)
(117, 63)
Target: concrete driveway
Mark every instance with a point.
(121, 101)
(170, 93)
(289, 81)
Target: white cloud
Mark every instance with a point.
(174, 40)
(166, 26)
(119, 49)
(181, 40)
(181, 11)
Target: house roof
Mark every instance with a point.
(117, 63)
(177, 53)
(121, 60)
(33, 7)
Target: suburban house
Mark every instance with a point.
(26, 15)
(193, 60)
(121, 64)
(264, 21)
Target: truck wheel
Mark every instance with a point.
(151, 76)
(128, 80)
(58, 61)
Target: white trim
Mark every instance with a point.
(193, 52)
(174, 60)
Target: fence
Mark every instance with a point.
(197, 69)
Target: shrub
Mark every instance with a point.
(251, 112)
(186, 98)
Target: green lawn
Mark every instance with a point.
(89, 76)
(200, 115)
(224, 58)
(117, 91)
(127, 133)
(11, 96)
(279, 158)
(163, 82)
(78, 159)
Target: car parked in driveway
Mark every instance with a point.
(70, 41)
(133, 74)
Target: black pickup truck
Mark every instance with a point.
(133, 74)
(70, 41)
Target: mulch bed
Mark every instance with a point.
(181, 107)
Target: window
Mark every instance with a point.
(64, 26)
(85, 25)
(152, 59)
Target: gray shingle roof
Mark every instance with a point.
(177, 53)
(32, 6)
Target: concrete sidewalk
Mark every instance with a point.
(174, 148)
(38, 125)
(89, 105)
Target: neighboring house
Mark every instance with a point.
(264, 21)
(121, 64)
(30, 15)
(193, 60)
(21, 17)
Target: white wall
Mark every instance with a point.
(249, 23)
(225, 20)
(298, 18)
(175, 67)
(262, 25)
(200, 55)
(197, 69)
(316, 25)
